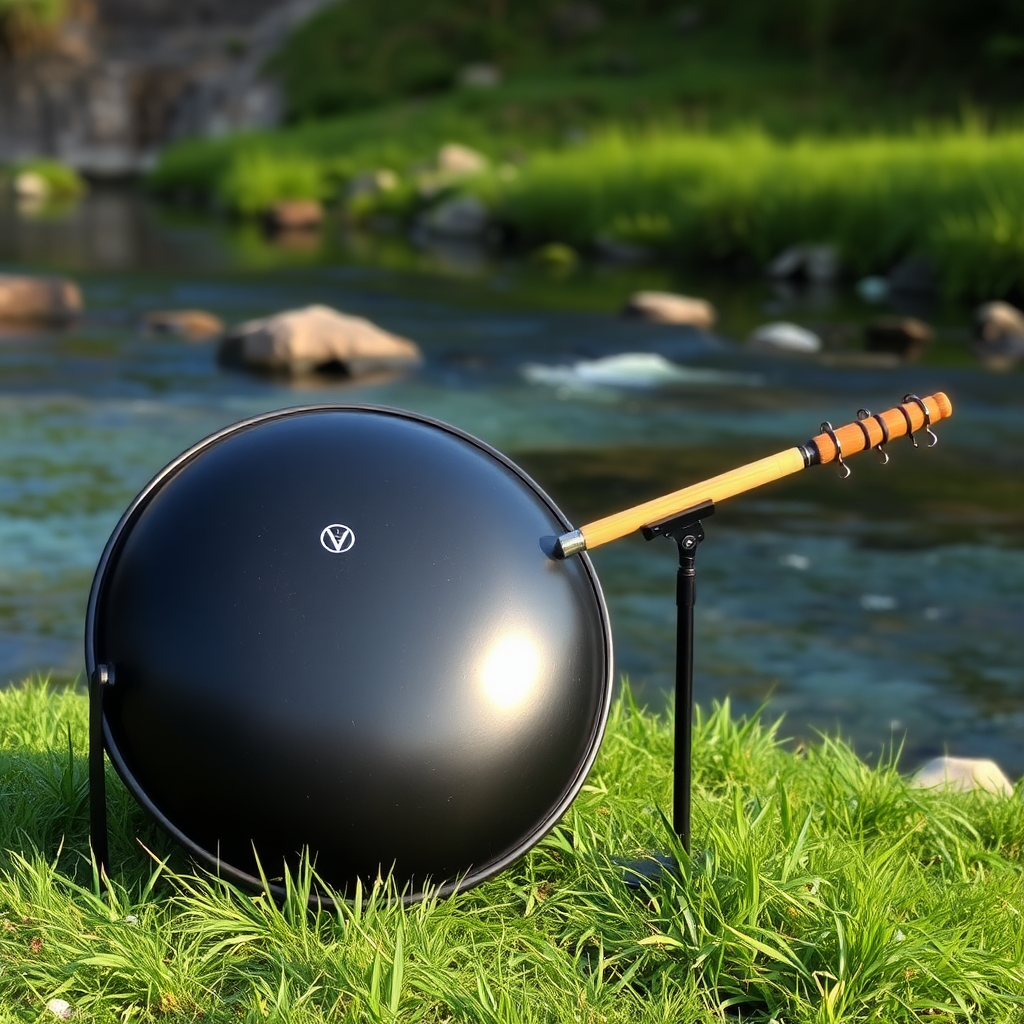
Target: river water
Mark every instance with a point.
(886, 607)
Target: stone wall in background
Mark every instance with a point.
(122, 77)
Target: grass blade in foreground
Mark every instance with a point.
(820, 889)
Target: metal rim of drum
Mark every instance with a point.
(204, 856)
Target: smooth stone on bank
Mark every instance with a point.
(40, 299)
(315, 339)
(669, 308)
(963, 773)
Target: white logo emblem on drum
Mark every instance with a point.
(337, 538)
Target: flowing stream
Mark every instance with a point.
(888, 607)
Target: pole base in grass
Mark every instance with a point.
(639, 874)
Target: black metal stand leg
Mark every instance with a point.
(686, 594)
(98, 683)
(686, 530)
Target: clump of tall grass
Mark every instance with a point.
(255, 179)
(819, 889)
(724, 199)
(716, 199)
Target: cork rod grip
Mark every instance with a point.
(899, 422)
(852, 438)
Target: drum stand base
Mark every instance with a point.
(686, 530)
(101, 678)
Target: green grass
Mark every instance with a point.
(819, 889)
(728, 200)
(739, 199)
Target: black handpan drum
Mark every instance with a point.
(339, 630)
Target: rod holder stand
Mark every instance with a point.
(687, 530)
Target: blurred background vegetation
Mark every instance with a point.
(921, 57)
(719, 132)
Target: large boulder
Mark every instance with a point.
(998, 337)
(316, 339)
(669, 308)
(40, 299)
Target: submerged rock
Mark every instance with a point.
(963, 773)
(190, 324)
(42, 299)
(784, 337)
(669, 308)
(315, 339)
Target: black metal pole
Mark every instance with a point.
(98, 683)
(686, 530)
(686, 594)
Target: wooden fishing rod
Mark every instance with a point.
(832, 445)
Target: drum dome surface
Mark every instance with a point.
(337, 629)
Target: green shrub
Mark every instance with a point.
(63, 182)
(254, 180)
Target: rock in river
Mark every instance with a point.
(45, 299)
(668, 308)
(998, 338)
(904, 336)
(190, 324)
(315, 339)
